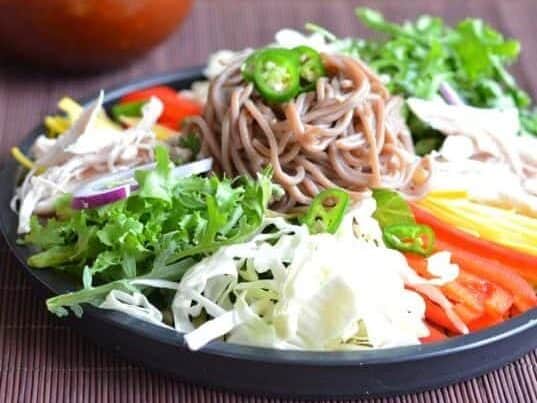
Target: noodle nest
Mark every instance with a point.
(347, 133)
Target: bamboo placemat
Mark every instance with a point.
(41, 360)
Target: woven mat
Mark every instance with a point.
(43, 360)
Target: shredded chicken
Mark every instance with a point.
(483, 153)
(84, 152)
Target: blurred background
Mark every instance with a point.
(52, 48)
(98, 35)
(86, 35)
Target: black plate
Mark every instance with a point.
(273, 372)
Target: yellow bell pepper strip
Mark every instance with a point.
(58, 124)
(21, 158)
(501, 226)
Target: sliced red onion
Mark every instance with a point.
(100, 192)
(87, 197)
(449, 94)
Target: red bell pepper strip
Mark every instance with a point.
(524, 297)
(433, 293)
(435, 314)
(475, 283)
(473, 296)
(418, 263)
(176, 107)
(434, 335)
(498, 302)
(467, 314)
(164, 93)
(457, 292)
(484, 322)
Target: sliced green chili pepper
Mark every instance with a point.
(326, 211)
(415, 238)
(276, 74)
(248, 67)
(280, 74)
(311, 66)
(130, 109)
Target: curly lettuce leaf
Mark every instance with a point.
(166, 221)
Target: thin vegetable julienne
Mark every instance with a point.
(495, 272)
(436, 315)
(523, 263)
(21, 158)
(473, 296)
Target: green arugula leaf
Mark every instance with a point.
(96, 295)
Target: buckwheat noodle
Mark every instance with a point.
(347, 133)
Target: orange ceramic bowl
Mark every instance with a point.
(86, 34)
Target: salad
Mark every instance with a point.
(319, 193)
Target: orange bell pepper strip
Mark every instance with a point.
(418, 263)
(498, 303)
(435, 335)
(524, 297)
(484, 322)
(467, 314)
(458, 293)
(435, 314)
(523, 263)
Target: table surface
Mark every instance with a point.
(43, 360)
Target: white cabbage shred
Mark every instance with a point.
(136, 305)
(289, 289)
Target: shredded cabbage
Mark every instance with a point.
(289, 289)
(135, 304)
